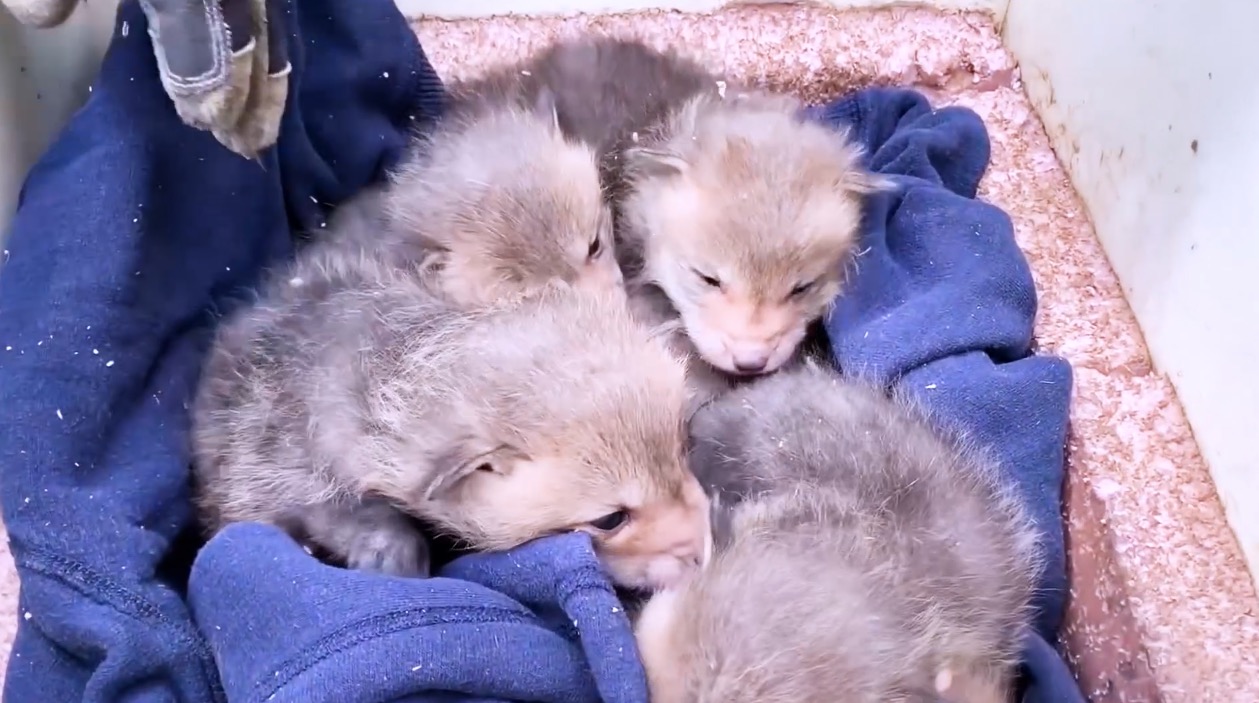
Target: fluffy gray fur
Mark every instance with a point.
(860, 557)
(490, 202)
(352, 395)
(735, 215)
(604, 90)
(607, 92)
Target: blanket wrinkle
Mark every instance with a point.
(136, 232)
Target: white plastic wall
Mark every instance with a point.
(1150, 105)
(44, 77)
(1153, 107)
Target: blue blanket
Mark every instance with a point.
(135, 231)
(943, 305)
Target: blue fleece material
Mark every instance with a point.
(942, 304)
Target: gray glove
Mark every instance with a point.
(224, 63)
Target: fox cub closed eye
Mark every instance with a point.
(801, 288)
(711, 281)
(611, 521)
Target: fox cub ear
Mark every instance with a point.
(545, 106)
(656, 163)
(865, 182)
(464, 460)
(854, 177)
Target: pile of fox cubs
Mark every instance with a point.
(581, 303)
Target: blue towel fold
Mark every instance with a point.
(130, 231)
(943, 306)
(287, 628)
(135, 231)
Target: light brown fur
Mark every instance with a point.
(650, 306)
(860, 557)
(353, 395)
(703, 173)
(497, 201)
(746, 215)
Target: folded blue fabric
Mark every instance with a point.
(943, 305)
(539, 624)
(131, 230)
(134, 231)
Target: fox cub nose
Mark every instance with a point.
(751, 362)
